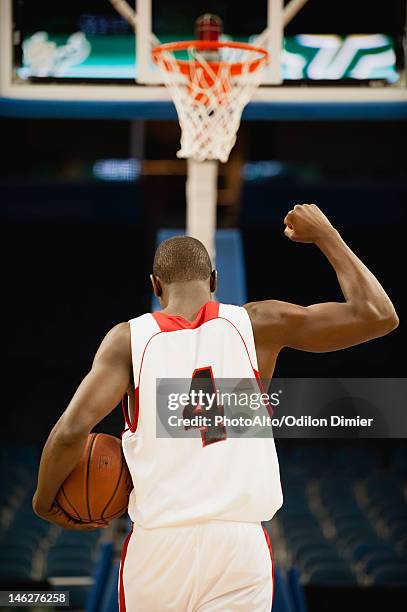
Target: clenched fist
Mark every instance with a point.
(307, 223)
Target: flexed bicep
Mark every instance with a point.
(318, 328)
(366, 313)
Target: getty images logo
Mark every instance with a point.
(208, 400)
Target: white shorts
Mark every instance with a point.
(208, 567)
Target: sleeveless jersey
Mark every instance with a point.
(180, 481)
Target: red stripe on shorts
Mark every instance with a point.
(266, 535)
(122, 602)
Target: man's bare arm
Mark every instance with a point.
(366, 313)
(97, 395)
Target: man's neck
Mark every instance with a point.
(186, 299)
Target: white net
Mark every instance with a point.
(210, 94)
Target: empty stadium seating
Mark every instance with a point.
(344, 518)
(33, 550)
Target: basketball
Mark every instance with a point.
(98, 488)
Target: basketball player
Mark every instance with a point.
(197, 507)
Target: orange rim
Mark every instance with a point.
(184, 66)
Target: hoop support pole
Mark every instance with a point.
(201, 196)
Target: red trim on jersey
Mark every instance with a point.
(125, 410)
(136, 409)
(262, 389)
(133, 424)
(122, 601)
(168, 323)
(266, 535)
(255, 372)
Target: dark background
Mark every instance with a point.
(77, 251)
(319, 16)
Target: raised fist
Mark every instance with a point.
(306, 223)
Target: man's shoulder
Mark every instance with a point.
(119, 336)
(265, 312)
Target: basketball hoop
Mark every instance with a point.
(209, 94)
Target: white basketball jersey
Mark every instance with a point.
(180, 481)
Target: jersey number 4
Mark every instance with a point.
(203, 383)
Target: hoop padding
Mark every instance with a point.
(210, 90)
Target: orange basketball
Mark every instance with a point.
(98, 488)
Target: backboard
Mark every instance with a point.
(323, 55)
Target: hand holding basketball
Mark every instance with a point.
(58, 517)
(97, 490)
(307, 223)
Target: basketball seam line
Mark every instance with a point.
(78, 516)
(116, 486)
(87, 474)
(116, 514)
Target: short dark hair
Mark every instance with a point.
(181, 259)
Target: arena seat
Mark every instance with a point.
(16, 552)
(301, 549)
(355, 461)
(379, 559)
(399, 461)
(329, 557)
(331, 575)
(359, 548)
(398, 530)
(14, 570)
(73, 554)
(390, 575)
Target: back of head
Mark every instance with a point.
(182, 259)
